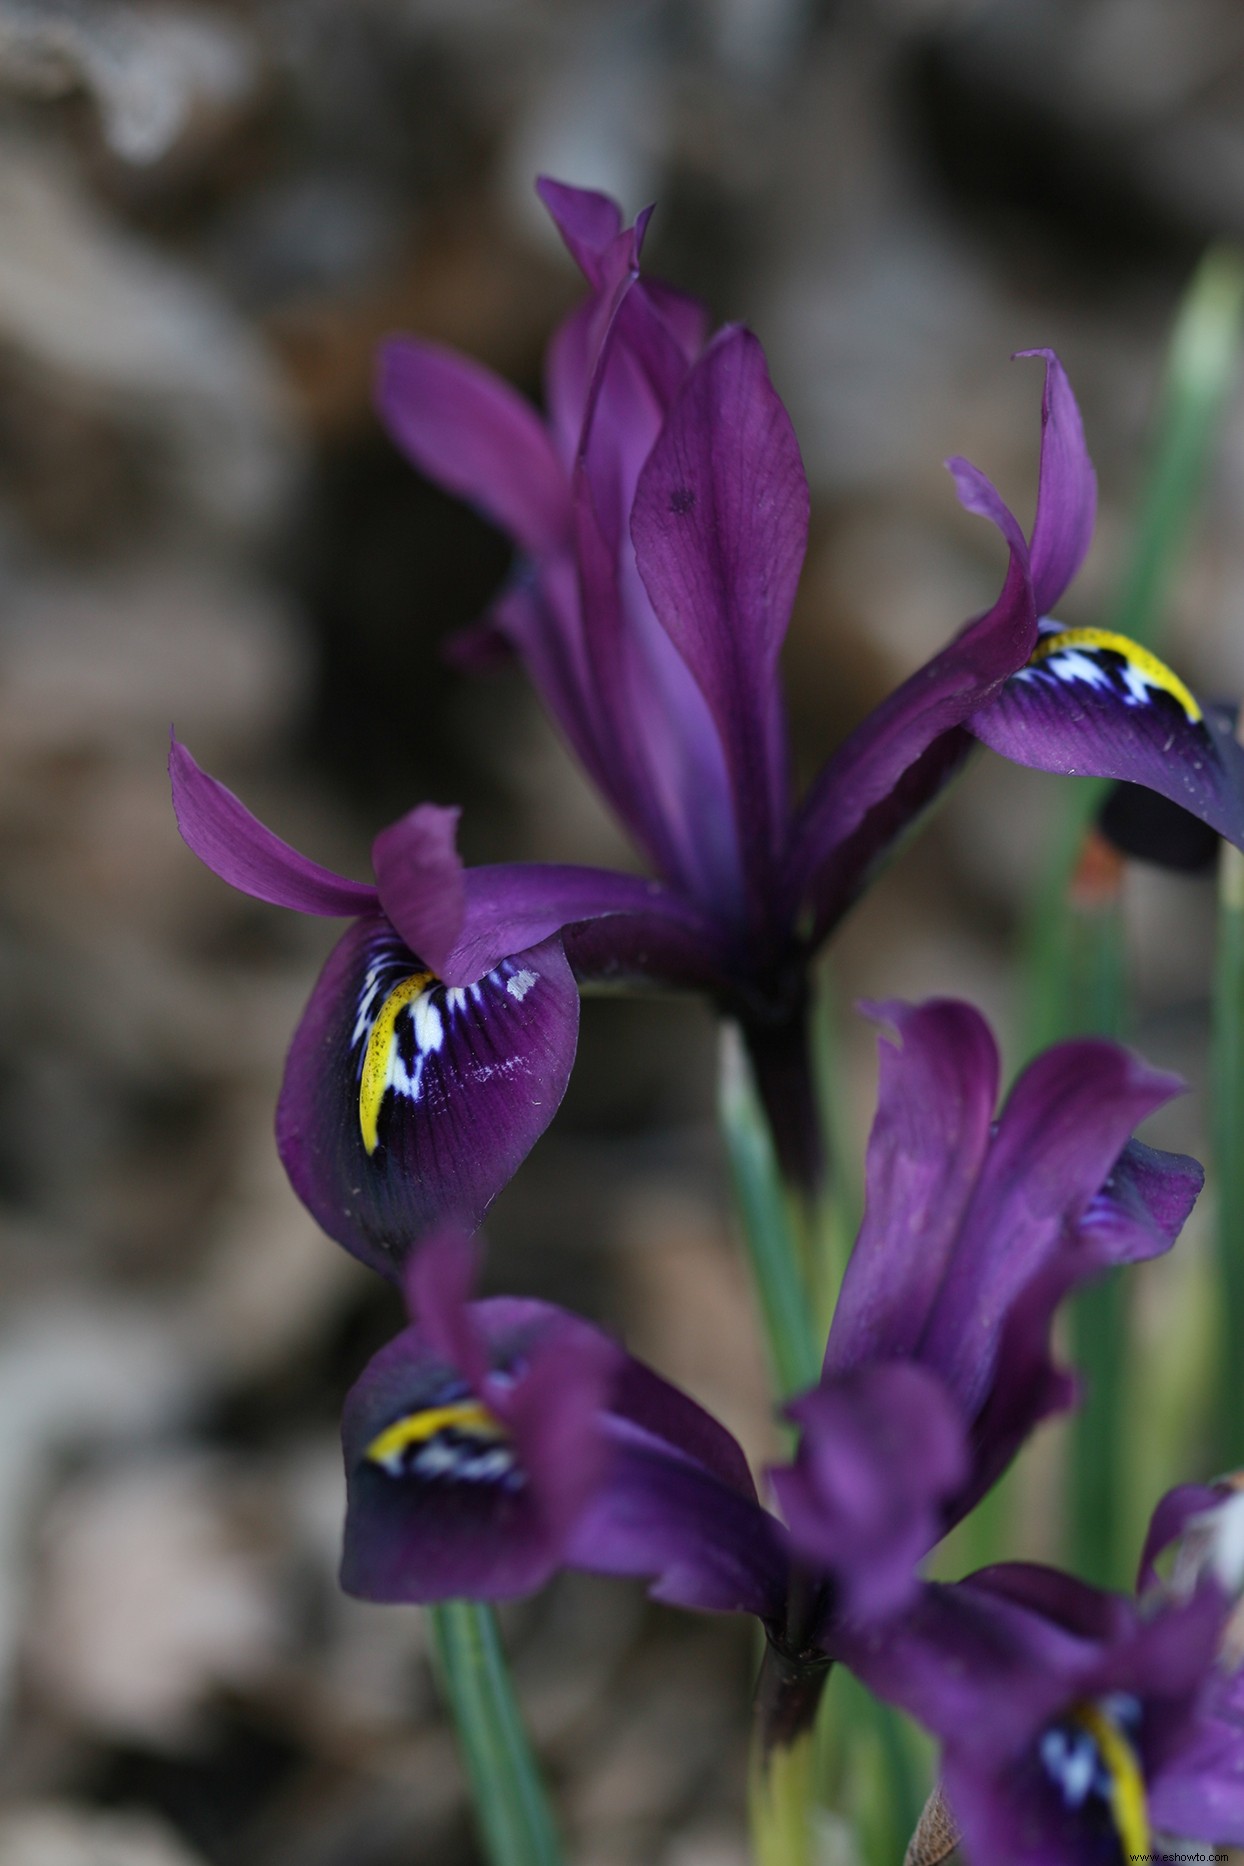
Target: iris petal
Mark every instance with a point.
(406, 1101)
(1095, 704)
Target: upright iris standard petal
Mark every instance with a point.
(236, 846)
(407, 1101)
(1067, 490)
(936, 1096)
(720, 525)
(1092, 703)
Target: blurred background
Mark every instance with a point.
(209, 214)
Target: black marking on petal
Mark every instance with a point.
(404, 1015)
(1107, 663)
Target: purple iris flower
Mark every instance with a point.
(439, 1038)
(1080, 1728)
(974, 1231)
(660, 517)
(496, 1441)
(975, 1228)
(659, 514)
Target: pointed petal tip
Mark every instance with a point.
(235, 845)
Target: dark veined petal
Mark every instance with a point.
(469, 1488)
(236, 846)
(407, 1102)
(936, 1096)
(880, 1450)
(470, 432)
(720, 524)
(1095, 704)
(1123, 1755)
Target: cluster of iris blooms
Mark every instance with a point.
(659, 513)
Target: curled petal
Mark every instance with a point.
(1091, 703)
(236, 846)
(407, 1102)
(494, 1442)
(977, 493)
(1067, 492)
(1142, 1207)
(880, 1451)
(1172, 1515)
(473, 434)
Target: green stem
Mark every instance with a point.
(1096, 979)
(1227, 1104)
(770, 1234)
(510, 1802)
(779, 1801)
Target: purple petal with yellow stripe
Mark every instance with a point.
(494, 1442)
(1091, 703)
(407, 1101)
(1077, 1727)
(470, 1487)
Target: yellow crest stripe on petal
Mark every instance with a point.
(1153, 673)
(378, 1056)
(417, 1427)
(1129, 1807)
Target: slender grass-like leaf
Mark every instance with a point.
(1227, 1103)
(770, 1233)
(511, 1806)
